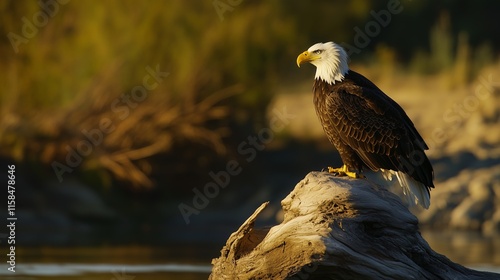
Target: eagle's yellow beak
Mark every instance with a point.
(306, 57)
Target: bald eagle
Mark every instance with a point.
(367, 127)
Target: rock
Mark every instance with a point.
(480, 189)
(470, 214)
(492, 226)
(466, 201)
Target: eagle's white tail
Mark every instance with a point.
(415, 192)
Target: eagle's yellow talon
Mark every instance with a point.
(344, 171)
(333, 170)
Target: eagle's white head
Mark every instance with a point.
(330, 60)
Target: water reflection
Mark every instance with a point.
(465, 247)
(192, 261)
(113, 271)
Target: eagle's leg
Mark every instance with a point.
(344, 171)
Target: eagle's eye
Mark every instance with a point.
(317, 51)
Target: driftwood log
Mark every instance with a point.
(336, 228)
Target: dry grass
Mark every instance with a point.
(66, 78)
(149, 128)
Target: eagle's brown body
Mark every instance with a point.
(369, 129)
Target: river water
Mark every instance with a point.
(189, 262)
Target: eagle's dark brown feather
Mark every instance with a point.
(369, 129)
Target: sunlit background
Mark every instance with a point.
(120, 116)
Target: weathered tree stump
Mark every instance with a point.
(336, 228)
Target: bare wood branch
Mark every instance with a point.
(337, 228)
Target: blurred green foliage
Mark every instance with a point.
(64, 77)
(84, 38)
